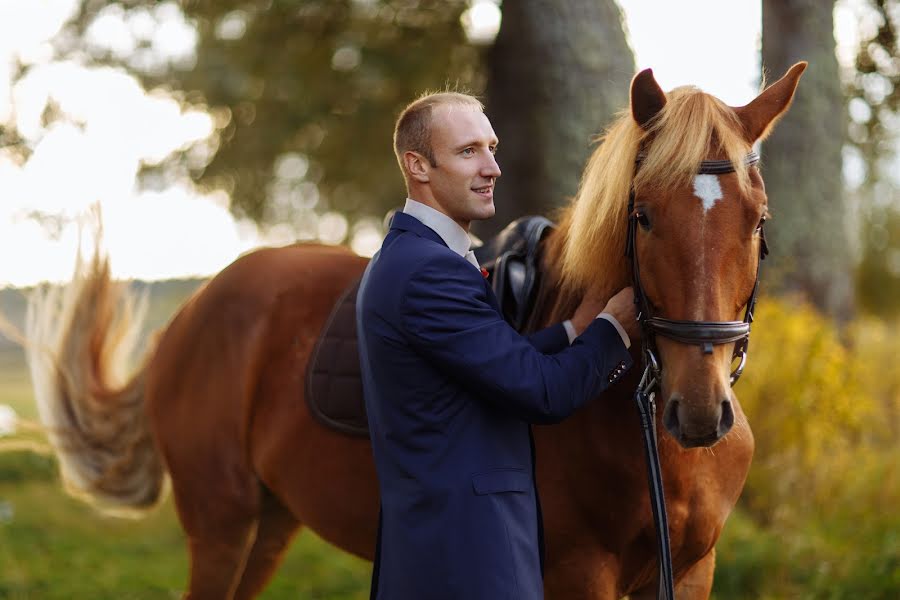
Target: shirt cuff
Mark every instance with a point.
(570, 330)
(622, 334)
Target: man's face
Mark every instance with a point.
(463, 143)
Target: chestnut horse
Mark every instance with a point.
(217, 405)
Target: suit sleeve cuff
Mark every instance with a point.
(615, 323)
(570, 330)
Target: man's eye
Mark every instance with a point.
(469, 151)
(493, 149)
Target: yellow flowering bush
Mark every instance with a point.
(818, 516)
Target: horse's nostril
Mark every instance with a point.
(727, 419)
(670, 418)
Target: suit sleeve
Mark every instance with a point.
(550, 340)
(447, 319)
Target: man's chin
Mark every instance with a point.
(486, 212)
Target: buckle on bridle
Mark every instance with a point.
(738, 371)
(650, 377)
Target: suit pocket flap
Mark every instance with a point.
(494, 482)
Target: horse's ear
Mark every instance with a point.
(760, 115)
(647, 98)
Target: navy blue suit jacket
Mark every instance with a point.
(450, 391)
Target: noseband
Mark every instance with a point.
(705, 334)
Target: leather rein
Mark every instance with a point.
(705, 334)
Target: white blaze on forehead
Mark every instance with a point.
(707, 188)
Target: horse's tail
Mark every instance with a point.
(79, 339)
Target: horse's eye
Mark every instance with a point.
(643, 220)
(759, 226)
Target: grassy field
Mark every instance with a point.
(53, 547)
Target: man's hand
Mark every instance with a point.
(622, 307)
(587, 311)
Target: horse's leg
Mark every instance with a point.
(217, 494)
(583, 573)
(276, 528)
(220, 531)
(696, 584)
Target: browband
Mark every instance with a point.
(714, 167)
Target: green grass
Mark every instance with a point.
(838, 559)
(53, 547)
(15, 385)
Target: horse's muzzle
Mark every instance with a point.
(694, 428)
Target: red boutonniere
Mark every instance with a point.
(484, 272)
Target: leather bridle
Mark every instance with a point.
(705, 334)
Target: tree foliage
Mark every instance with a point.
(303, 93)
(873, 91)
(321, 81)
(873, 87)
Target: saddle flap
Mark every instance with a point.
(334, 383)
(511, 260)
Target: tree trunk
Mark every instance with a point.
(801, 164)
(558, 72)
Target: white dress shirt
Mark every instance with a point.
(457, 239)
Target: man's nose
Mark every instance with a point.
(491, 168)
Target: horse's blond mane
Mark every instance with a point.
(692, 126)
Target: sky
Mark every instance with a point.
(177, 232)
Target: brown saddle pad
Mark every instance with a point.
(333, 381)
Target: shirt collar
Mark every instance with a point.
(453, 235)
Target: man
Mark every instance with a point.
(451, 388)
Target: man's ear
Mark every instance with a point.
(417, 166)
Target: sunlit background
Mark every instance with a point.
(291, 121)
(114, 126)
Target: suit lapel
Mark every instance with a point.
(404, 222)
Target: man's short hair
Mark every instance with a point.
(413, 129)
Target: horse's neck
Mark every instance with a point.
(606, 428)
(555, 302)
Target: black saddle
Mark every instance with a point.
(333, 380)
(511, 260)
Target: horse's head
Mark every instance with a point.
(699, 205)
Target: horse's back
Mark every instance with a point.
(230, 313)
(235, 353)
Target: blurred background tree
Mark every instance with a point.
(872, 88)
(810, 232)
(305, 92)
(557, 74)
